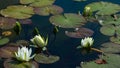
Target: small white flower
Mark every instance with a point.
(24, 54)
(39, 41)
(87, 42)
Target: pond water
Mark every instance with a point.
(62, 45)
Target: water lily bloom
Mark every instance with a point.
(87, 11)
(24, 54)
(87, 42)
(39, 41)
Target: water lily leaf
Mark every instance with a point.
(4, 41)
(18, 11)
(7, 23)
(104, 8)
(27, 1)
(8, 51)
(25, 21)
(108, 30)
(111, 59)
(45, 59)
(22, 42)
(42, 3)
(115, 39)
(80, 33)
(110, 47)
(45, 11)
(15, 64)
(68, 20)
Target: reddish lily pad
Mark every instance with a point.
(8, 51)
(45, 11)
(22, 42)
(25, 21)
(80, 33)
(7, 23)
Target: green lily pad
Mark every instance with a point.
(4, 41)
(18, 11)
(111, 59)
(15, 64)
(45, 11)
(8, 51)
(104, 8)
(67, 20)
(108, 30)
(7, 23)
(110, 47)
(115, 39)
(108, 19)
(45, 59)
(27, 1)
(38, 3)
(80, 33)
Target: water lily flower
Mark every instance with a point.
(24, 54)
(39, 41)
(87, 42)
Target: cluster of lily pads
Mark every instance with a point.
(19, 54)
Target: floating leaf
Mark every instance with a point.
(110, 47)
(25, 21)
(42, 3)
(4, 41)
(7, 23)
(47, 10)
(115, 39)
(111, 59)
(80, 33)
(18, 11)
(68, 20)
(15, 64)
(108, 30)
(6, 33)
(46, 59)
(22, 42)
(104, 8)
(27, 1)
(8, 51)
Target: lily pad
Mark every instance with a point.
(45, 59)
(45, 11)
(15, 64)
(18, 11)
(4, 41)
(42, 3)
(67, 20)
(22, 42)
(80, 33)
(8, 51)
(7, 23)
(25, 21)
(104, 8)
(27, 1)
(110, 47)
(111, 59)
(115, 39)
(108, 30)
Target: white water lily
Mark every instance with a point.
(39, 41)
(24, 54)
(87, 9)
(87, 42)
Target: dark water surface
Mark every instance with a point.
(63, 46)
